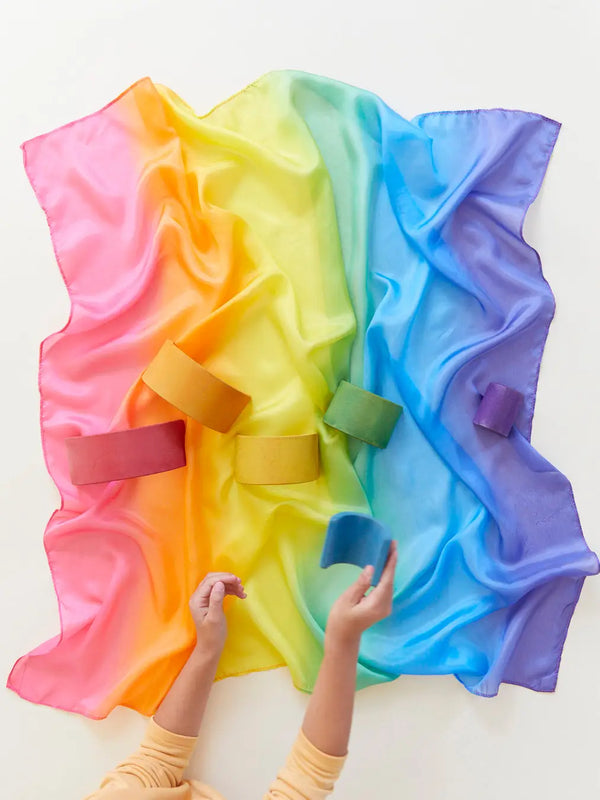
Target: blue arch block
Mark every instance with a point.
(356, 539)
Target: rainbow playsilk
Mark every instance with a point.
(299, 234)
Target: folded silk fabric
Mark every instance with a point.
(300, 234)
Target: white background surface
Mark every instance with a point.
(423, 738)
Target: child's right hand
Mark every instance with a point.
(354, 611)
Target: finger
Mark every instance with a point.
(235, 588)
(386, 581)
(203, 592)
(232, 583)
(381, 597)
(215, 603)
(226, 577)
(357, 590)
(387, 576)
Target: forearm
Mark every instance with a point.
(328, 718)
(183, 707)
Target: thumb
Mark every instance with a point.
(361, 584)
(215, 603)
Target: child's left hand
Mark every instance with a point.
(206, 606)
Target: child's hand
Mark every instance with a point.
(206, 605)
(354, 611)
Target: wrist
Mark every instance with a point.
(205, 655)
(342, 643)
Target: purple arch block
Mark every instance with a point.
(498, 408)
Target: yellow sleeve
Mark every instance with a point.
(308, 774)
(158, 764)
